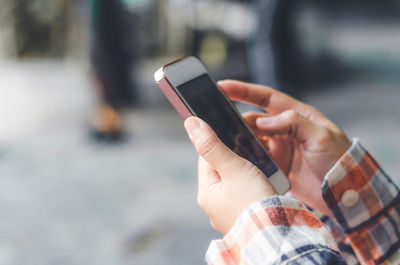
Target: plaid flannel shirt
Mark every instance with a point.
(281, 230)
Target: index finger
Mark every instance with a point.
(269, 99)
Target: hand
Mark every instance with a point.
(304, 143)
(227, 182)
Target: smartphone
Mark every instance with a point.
(191, 90)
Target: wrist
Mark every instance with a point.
(269, 211)
(239, 204)
(356, 189)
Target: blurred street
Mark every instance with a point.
(65, 199)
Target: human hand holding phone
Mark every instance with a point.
(227, 183)
(303, 142)
(191, 90)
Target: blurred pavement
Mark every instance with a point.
(66, 200)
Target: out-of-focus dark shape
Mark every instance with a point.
(321, 43)
(114, 50)
(40, 27)
(220, 32)
(262, 64)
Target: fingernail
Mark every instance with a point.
(192, 125)
(264, 121)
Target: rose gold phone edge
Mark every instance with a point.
(278, 179)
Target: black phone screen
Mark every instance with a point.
(207, 102)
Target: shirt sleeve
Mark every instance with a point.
(365, 203)
(276, 230)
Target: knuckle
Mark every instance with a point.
(291, 115)
(248, 167)
(206, 145)
(341, 135)
(255, 172)
(312, 109)
(325, 136)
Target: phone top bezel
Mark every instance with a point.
(184, 70)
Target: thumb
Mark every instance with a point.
(291, 123)
(210, 147)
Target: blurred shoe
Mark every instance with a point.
(106, 124)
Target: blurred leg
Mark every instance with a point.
(262, 63)
(286, 48)
(111, 59)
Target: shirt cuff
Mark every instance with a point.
(357, 190)
(274, 230)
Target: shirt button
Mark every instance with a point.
(350, 198)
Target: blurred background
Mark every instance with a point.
(95, 166)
